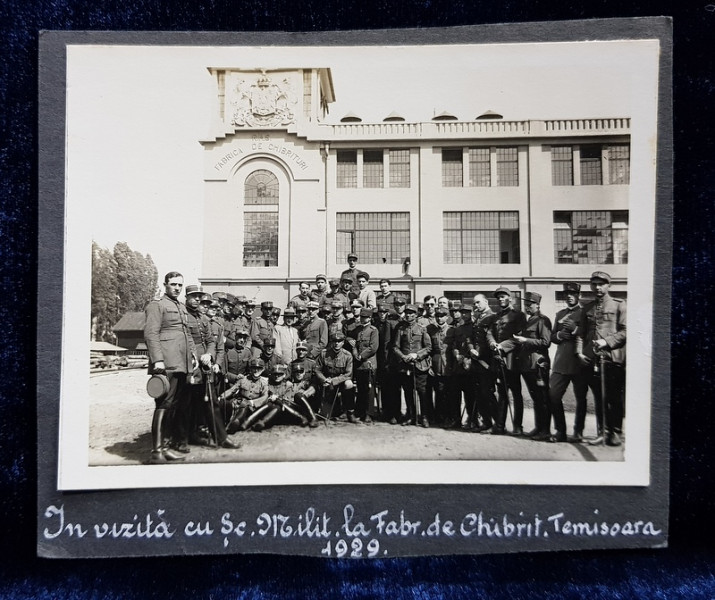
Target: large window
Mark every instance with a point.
(260, 224)
(347, 168)
(372, 169)
(376, 237)
(484, 237)
(598, 164)
(486, 167)
(591, 237)
(400, 168)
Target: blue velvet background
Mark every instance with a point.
(685, 570)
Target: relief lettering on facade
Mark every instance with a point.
(263, 103)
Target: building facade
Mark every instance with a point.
(443, 207)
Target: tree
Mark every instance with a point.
(122, 281)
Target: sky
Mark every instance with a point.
(135, 115)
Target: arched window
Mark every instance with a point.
(260, 224)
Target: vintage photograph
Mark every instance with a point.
(325, 265)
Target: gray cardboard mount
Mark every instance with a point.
(79, 523)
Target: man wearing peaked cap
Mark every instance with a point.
(315, 331)
(500, 336)
(320, 294)
(262, 328)
(351, 272)
(333, 373)
(566, 368)
(533, 363)
(364, 349)
(602, 346)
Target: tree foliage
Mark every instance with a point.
(123, 280)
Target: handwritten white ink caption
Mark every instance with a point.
(351, 535)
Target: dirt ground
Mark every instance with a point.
(121, 413)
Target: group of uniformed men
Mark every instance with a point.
(343, 352)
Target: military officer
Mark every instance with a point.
(320, 293)
(238, 355)
(386, 295)
(305, 391)
(351, 272)
(567, 368)
(464, 381)
(171, 353)
(365, 364)
(345, 293)
(602, 346)
(334, 372)
(482, 362)
(441, 369)
(507, 322)
(315, 332)
(262, 328)
(335, 318)
(303, 296)
(412, 349)
(533, 363)
(246, 395)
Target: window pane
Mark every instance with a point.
(400, 168)
(261, 187)
(260, 241)
(378, 238)
(372, 169)
(619, 164)
(451, 167)
(561, 165)
(347, 168)
(591, 164)
(507, 167)
(480, 174)
(481, 237)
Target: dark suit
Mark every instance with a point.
(413, 338)
(533, 363)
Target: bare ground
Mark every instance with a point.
(121, 413)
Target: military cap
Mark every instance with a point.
(321, 276)
(419, 306)
(230, 299)
(207, 299)
(241, 300)
(338, 336)
(220, 296)
(334, 282)
(336, 304)
(313, 304)
(269, 342)
(534, 297)
(256, 362)
(603, 276)
(411, 308)
(572, 286)
(443, 312)
(301, 345)
(252, 302)
(383, 307)
(215, 304)
(267, 304)
(502, 290)
(193, 289)
(356, 304)
(289, 312)
(455, 305)
(364, 274)
(352, 255)
(242, 333)
(399, 300)
(467, 308)
(298, 368)
(366, 312)
(279, 368)
(301, 309)
(346, 278)
(276, 311)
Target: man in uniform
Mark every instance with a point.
(412, 349)
(567, 368)
(352, 320)
(303, 296)
(386, 295)
(365, 294)
(440, 372)
(334, 372)
(365, 364)
(428, 317)
(500, 336)
(400, 305)
(335, 318)
(345, 293)
(463, 374)
(334, 288)
(315, 332)
(351, 272)
(246, 395)
(482, 362)
(238, 355)
(171, 353)
(305, 391)
(250, 310)
(269, 356)
(262, 328)
(320, 294)
(302, 359)
(240, 320)
(601, 346)
(533, 363)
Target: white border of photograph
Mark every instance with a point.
(85, 204)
